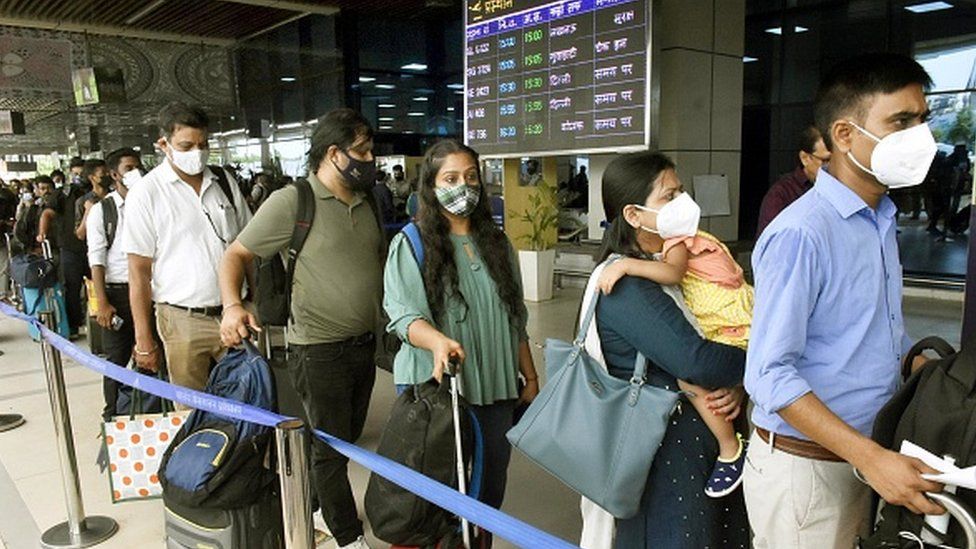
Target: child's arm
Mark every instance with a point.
(667, 272)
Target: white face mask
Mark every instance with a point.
(190, 162)
(131, 178)
(900, 159)
(675, 219)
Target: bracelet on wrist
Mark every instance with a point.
(146, 353)
(232, 305)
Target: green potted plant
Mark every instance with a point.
(537, 262)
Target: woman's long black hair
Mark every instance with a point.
(628, 179)
(439, 270)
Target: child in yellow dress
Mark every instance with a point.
(716, 292)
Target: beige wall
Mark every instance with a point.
(517, 198)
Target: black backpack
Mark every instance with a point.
(420, 435)
(274, 281)
(26, 228)
(110, 219)
(935, 409)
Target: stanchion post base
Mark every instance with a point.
(10, 421)
(97, 530)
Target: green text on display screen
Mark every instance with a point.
(556, 77)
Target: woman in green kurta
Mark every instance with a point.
(464, 303)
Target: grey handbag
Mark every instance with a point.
(596, 433)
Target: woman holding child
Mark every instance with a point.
(651, 246)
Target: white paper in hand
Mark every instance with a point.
(949, 473)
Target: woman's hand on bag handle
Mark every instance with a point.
(446, 350)
(236, 324)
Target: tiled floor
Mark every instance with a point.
(31, 498)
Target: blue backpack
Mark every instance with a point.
(218, 463)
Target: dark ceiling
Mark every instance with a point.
(218, 22)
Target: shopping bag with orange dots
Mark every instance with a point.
(135, 445)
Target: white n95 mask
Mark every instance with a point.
(131, 178)
(677, 218)
(190, 162)
(900, 159)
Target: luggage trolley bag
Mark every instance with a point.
(220, 488)
(432, 431)
(936, 410)
(41, 291)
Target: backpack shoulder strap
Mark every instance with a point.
(303, 226)
(416, 243)
(224, 184)
(110, 219)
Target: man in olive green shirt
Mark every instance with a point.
(336, 296)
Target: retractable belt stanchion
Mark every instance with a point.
(296, 505)
(78, 531)
(10, 421)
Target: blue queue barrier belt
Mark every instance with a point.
(493, 520)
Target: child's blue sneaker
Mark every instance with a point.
(727, 474)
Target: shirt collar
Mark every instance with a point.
(169, 174)
(323, 193)
(846, 201)
(116, 197)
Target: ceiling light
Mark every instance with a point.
(414, 67)
(748, 59)
(450, 109)
(288, 78)
(421, 99)
(928, 6)
(775, 30)
(416, 114)
(312, 122)
(459, 92)
(408, 131)
(366, 79)
(386, 119)
(386, 127)
(798, 29)
(385, 86)
(386, 106)
(456, 86)
(289, 126)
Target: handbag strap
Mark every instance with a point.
(588, 316)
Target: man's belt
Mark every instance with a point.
(214, 311)
(798, 447)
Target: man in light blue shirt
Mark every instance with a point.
(828, 329)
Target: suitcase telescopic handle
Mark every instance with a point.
(959, 511)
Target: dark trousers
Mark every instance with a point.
(117, 344)
(495, 420)
(74, 268)
(335, 382)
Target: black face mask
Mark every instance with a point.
(359, 175)
(107, 183)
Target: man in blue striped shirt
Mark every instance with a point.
(828, 330)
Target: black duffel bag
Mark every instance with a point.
(935, 409)
(33, 271)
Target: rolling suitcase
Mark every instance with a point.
(255, 526)
(46, 297)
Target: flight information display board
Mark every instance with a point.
(556, 77)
